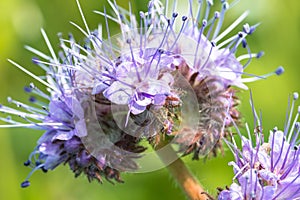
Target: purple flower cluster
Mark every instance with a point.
(267, 169)
(149, 66)
(107, 95)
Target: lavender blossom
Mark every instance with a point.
(267, 169)
(169, 76)
(63, 114)
(150, 67)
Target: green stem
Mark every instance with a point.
(182, 174)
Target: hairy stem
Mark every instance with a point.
(181, 173)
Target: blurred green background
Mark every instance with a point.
(20, 23)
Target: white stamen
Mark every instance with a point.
(293, 127)
(107, 16)
(29, 125)
(227, 41)
(33, 76)
(81, 30)
(118, 18)
(232, 26)
(8, 110)
(38, 53)
(49, 46)
(240, 171)
(83, 18)
(246, 56)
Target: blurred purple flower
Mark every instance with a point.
(267, 169)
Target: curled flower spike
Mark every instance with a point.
(169, 77)
(267, 169)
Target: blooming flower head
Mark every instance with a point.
(267, 169)
(63, 114)
(170, 75)
(157, 67)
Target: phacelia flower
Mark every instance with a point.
(63, 116)
(167, 76)
(153, 65)
(267, 169)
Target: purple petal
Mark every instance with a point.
(100, 87)
(63, 135)
(80, 127)
(159, 99)
(118, 93)
(77, 108)
(269, 192)
(136, 109)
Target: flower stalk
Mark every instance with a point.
(181, 174)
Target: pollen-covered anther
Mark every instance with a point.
(260, 54)
(279, 70)
(25, 184)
